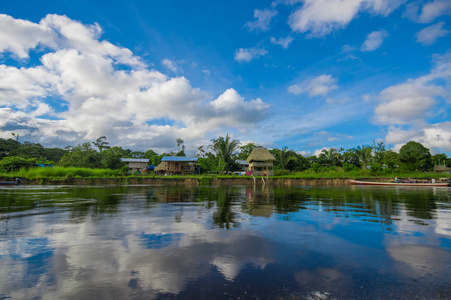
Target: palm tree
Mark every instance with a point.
(284, 157)
(224, 148)
(365, 155)
(330, 155)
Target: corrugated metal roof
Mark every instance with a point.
(143, 160)
(179, 158)
(241, 162)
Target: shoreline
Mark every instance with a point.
(202, 181)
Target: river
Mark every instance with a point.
(235, 242)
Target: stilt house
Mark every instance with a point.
(136, 164)
(177, 165)
(261, 162)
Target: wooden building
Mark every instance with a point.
(177, 165)
(261, 162)
(136, 164)
(244, 165)
(442, 169)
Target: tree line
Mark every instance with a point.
(222, 155)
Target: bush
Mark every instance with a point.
(316, 167)
(376, 169)
(15, 163)
(281, 172)
(349, 167)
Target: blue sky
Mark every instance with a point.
(306, 74)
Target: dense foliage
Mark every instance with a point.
(222, 155)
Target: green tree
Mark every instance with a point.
(378, 152)
(415, 157)
(351, 158)
(101, 143)
(246, 150)
(365, 155)
(82, 156)
(283, 157)
(111, 158)
(224, 149)
(13, 163)
(330, 157)
(180, 144)
(439, 159)
(391, 159)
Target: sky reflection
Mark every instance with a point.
(157, 242)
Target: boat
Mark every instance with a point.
(15, 182)
(400, 183)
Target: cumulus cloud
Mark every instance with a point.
(18, 36)
(374, 40)
(246, 55)
(406, 108)
(284, 42)
(79, 91)
(436, 137)
(318, 86)
(171, 65)
(321, 17)
(263, 19)
(429, 11)
(430, 34)
(406, 103)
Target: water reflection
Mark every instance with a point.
(156, 242)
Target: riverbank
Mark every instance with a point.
(192, 181)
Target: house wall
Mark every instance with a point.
(136, 166)
(261, 168)
(177, 167)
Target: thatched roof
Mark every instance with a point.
(260, 154)
(160, 167)
(442, 168)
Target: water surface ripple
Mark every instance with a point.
(176, 242)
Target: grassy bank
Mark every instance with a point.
(60, 173)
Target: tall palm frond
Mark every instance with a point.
(224, 148)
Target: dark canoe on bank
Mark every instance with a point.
(400, 183)
(15, 182)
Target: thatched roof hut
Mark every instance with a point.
(261, 155)
(261, 162)
(160, 167)
(442, 169)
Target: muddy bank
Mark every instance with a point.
(201, 181)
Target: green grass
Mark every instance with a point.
(59, 173)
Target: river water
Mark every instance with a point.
(176, 242)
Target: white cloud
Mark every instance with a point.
(263, 19)
(246, 55)
(285, 2)
(429, 35)
(78, 84)
(321, 17)
(429, 11)
(19, 36)
(347, 49)
(406, 108)
(437, 137)
(284, 42)
(318, 152)
(169, 64)
(318, 86)
(374, 40)
(406, 103)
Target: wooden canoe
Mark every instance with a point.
(401, 183)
